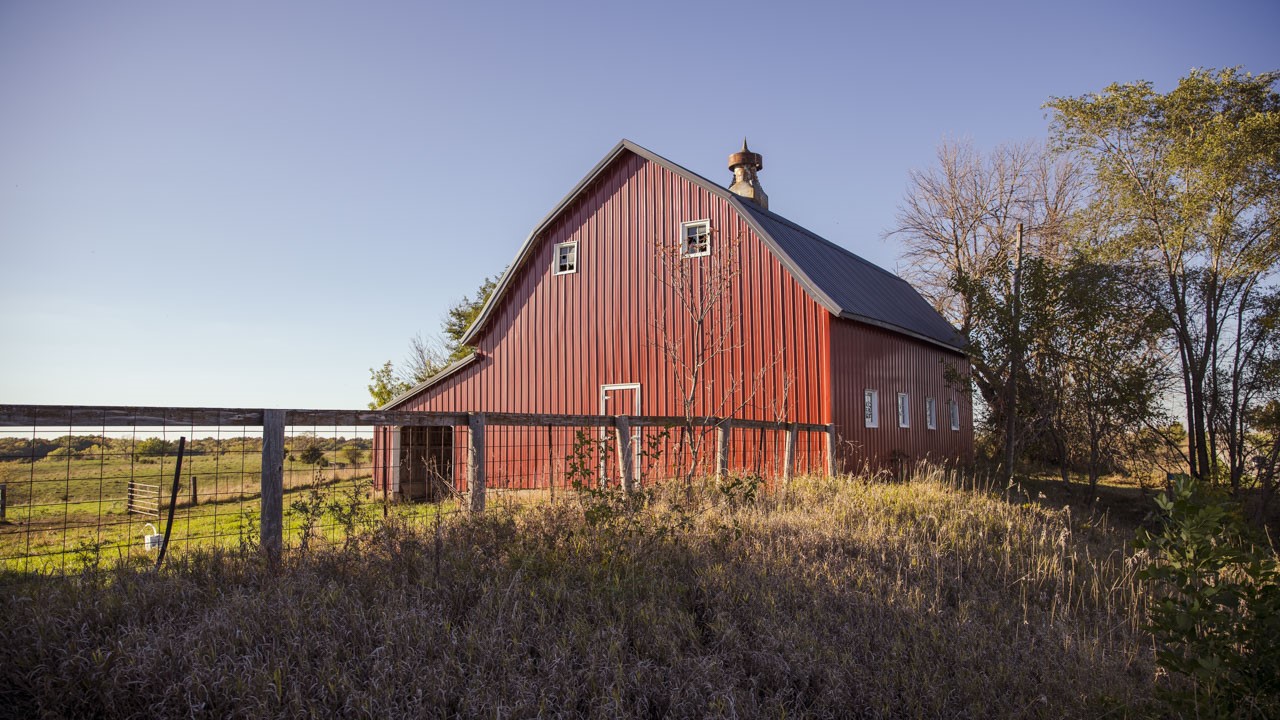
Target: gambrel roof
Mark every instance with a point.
(845, 284)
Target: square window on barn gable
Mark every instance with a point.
(695, 238)
(566, 258)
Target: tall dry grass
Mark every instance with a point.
(838, 598)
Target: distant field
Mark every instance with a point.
(65, 511)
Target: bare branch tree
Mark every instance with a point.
(427, 356)
(959, 227)
(701, 331)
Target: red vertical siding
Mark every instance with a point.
(865, 357)
(555, 339)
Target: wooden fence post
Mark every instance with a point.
(272, 521)
(789, 454)
(4, 499)
(626, 468)
(195, 493)
(831, 450)
(475, 460)
(722, 447)
(551, 465)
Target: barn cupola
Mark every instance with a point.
(745, 165)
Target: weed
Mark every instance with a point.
(309, 509)
(88, 554)
(250, 533)
(348, 510)
(740, 490)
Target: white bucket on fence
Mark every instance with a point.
(152, 540)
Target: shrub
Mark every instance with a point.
(1217, 611)
(311, 454)
(352, 454)
(152, 447)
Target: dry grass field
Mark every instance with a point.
(839, 598)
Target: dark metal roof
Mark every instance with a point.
(843, 283)
(861, 290)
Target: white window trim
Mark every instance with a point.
(555, 258)
(904, 410)
(931, 413)
(953, 413)
(684, 246)
(874, 397)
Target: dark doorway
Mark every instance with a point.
(426, 463)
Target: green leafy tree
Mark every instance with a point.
(1099, 371)
(1265, 441)
(385, 385)
(153, 446)
(1246, 399)
(428, 356)
(1187, 188)
(352, 454)
(462, 315)
(309, 449)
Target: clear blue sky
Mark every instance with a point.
(251, 204)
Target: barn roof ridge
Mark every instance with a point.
(925, 325)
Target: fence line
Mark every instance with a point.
(128, 416)
(503, 451)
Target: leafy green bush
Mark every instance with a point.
(152, 447)
(1216, 614)
(311, 454)
(352, 454)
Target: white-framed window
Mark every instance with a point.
(931, 413)
(695, 238)
(871, 408)
(904, 410)
(566, 258)
(953, 409)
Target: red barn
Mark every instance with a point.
(650, 290)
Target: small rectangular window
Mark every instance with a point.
(871, 408)
(954, 409)
(904, 410)
(931, 413)
(695, 238)
(566, 258)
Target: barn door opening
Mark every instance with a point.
(426, 463)
(619, 399)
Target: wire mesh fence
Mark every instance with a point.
(91, 487)
(78, 495)
(564, 457)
